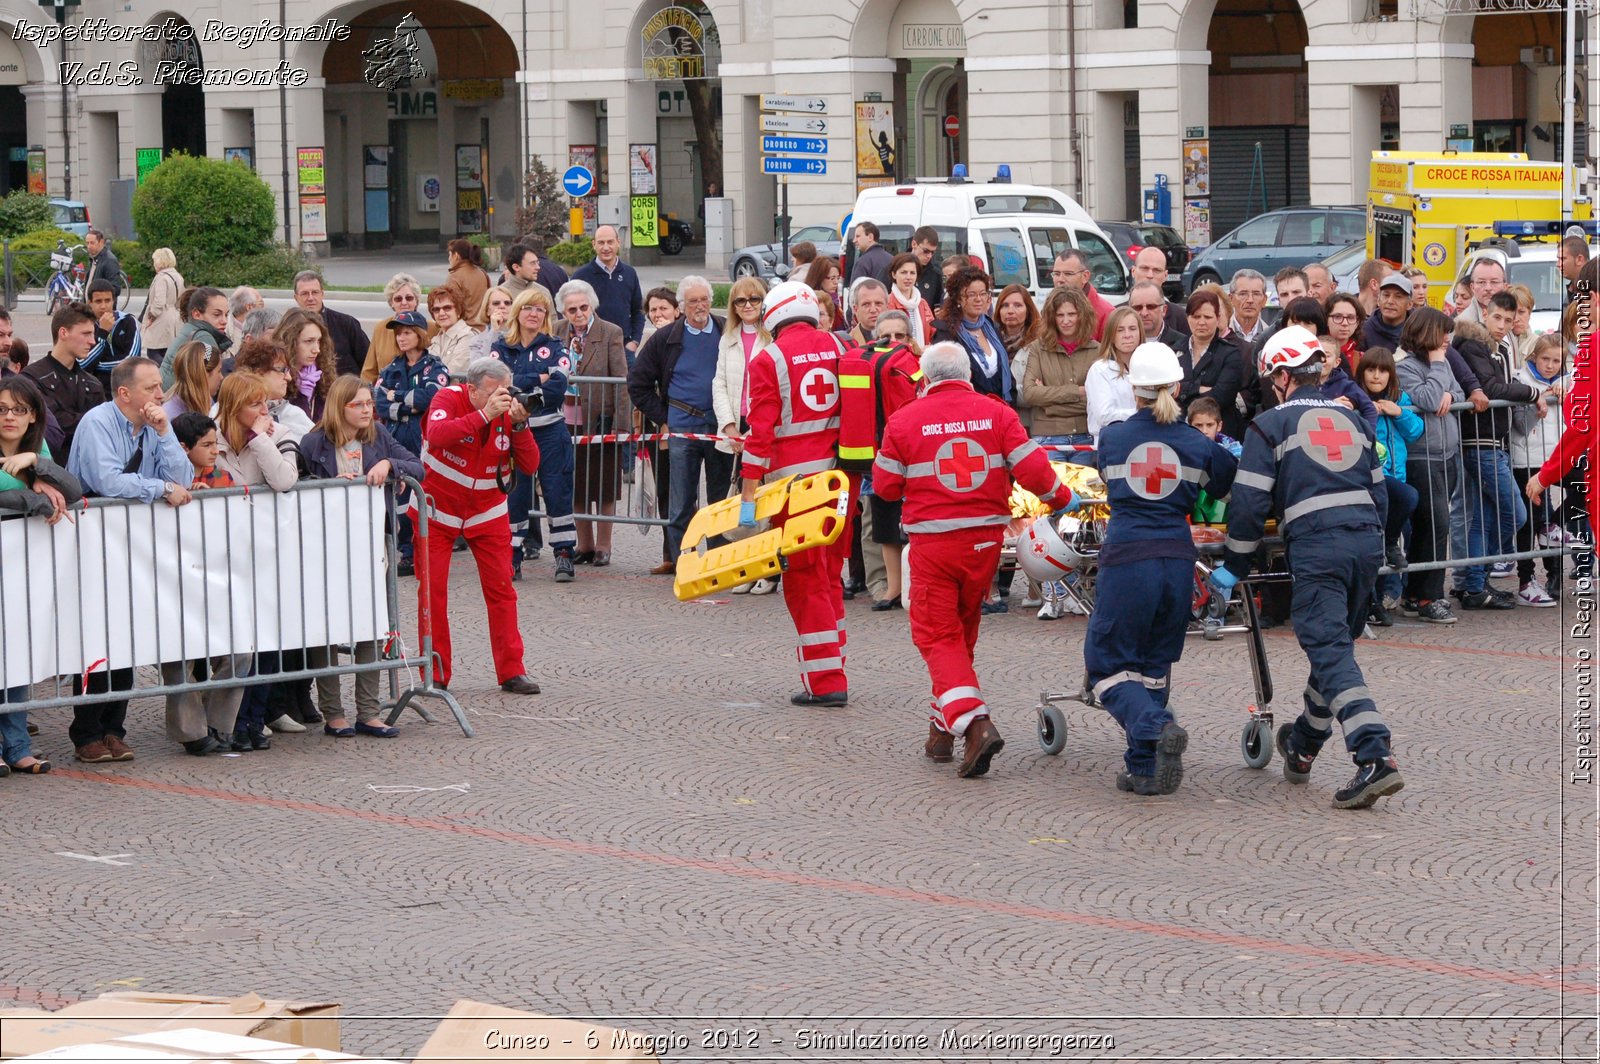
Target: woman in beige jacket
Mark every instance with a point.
(1058, 364)
(162, 319)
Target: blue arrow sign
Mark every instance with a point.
(578, 181)
(795, 145)
(779, 165)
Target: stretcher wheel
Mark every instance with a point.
(1052, 729)
(1255, 743)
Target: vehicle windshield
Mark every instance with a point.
(1542, 279)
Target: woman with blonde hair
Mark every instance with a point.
(197, 374)
(1106, 388)
(303, 334)
(742, 336)
(495, 312)
(1145, 585)
(351, 444)
(245, 447)
(162, 318)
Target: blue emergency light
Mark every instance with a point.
(958, 172)
(1002, 175)
(1556, 227)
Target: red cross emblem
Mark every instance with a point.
(1327, 442)
(961, 465)
(1153, 471)
(819, 390)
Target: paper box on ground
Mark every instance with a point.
(302, 1023)
(474, 1033)
(195, 1046)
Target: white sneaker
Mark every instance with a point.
(1556, 536)
(287, 724)
(1532, 594)
(764, 586)
(1052, 610)
(1502, 570)
(1031, 603)
(1391, 603)
(266, 731)
(742, 589)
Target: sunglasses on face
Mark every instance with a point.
(747, 301)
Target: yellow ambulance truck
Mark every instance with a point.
(1430, 209)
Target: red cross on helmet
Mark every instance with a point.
(787, 302)
(1290, 347)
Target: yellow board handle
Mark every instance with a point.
(818, 513)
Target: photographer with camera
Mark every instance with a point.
(540, 366)
(476, 432)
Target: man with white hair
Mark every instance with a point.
(1248, 290)
(475, 433)
(670, 383)
(944, 454)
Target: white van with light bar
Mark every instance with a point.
(1013, 231)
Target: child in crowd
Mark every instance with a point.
(1533, 441)
(1205, 416)
(1398, 428)
(198, 435)
(1337, 385)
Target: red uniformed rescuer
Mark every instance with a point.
(475, 432)
(794, 431)
(951, 455)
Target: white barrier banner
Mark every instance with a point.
(131, 585)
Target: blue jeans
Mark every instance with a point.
(683, 492)
(1050, 443)
(15, 743)
(1495, 510)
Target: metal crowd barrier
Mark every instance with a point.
(640, 459)
(131, 590)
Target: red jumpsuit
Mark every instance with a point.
(951, 455)
(1581, 439)
(794, 430)
(461, 451)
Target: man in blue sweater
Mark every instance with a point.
(617, 285)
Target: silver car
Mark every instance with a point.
(759, 260)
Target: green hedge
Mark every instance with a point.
(198, 205)
(23, 212)
(135, 262)
(44, 240)
(572, 253)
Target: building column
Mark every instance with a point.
(1439, 96)
(43, 103)
(1165, 114)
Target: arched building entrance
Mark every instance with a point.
(436, 155)
(176, 63)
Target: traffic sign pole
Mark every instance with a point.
(786, 220)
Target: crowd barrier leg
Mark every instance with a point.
(410, 697)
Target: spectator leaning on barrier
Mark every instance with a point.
(247, 451)
(70, 391)
(30, 485)
(208, 315)
(671, 384)
(661, 310)
(350, 343)
(1494, 505)
(1533, 441)
(350, 444)
(404, 392)
(304, 338)
(197, 434)
(124, 449)
(1433, 462)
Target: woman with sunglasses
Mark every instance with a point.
(351, 444)
(742, 337)
(196, 376)
(30, 484)
(496, 311)
(452, 344)
(403, 293)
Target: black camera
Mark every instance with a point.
(530, 400)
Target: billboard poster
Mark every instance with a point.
(642, 169)
(875, 146)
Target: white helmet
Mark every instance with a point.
(1153, 365)
(1289, 347)
(789, 301)
(1044, 555)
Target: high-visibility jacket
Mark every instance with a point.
(462, 453)
(873, 384)
(794, 404)
(952, 455)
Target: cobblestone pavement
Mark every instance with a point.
(661, 833)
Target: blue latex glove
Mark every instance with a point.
(1073, 502)
(1222, 582)
(747, 514)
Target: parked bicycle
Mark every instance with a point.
(66, 282)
